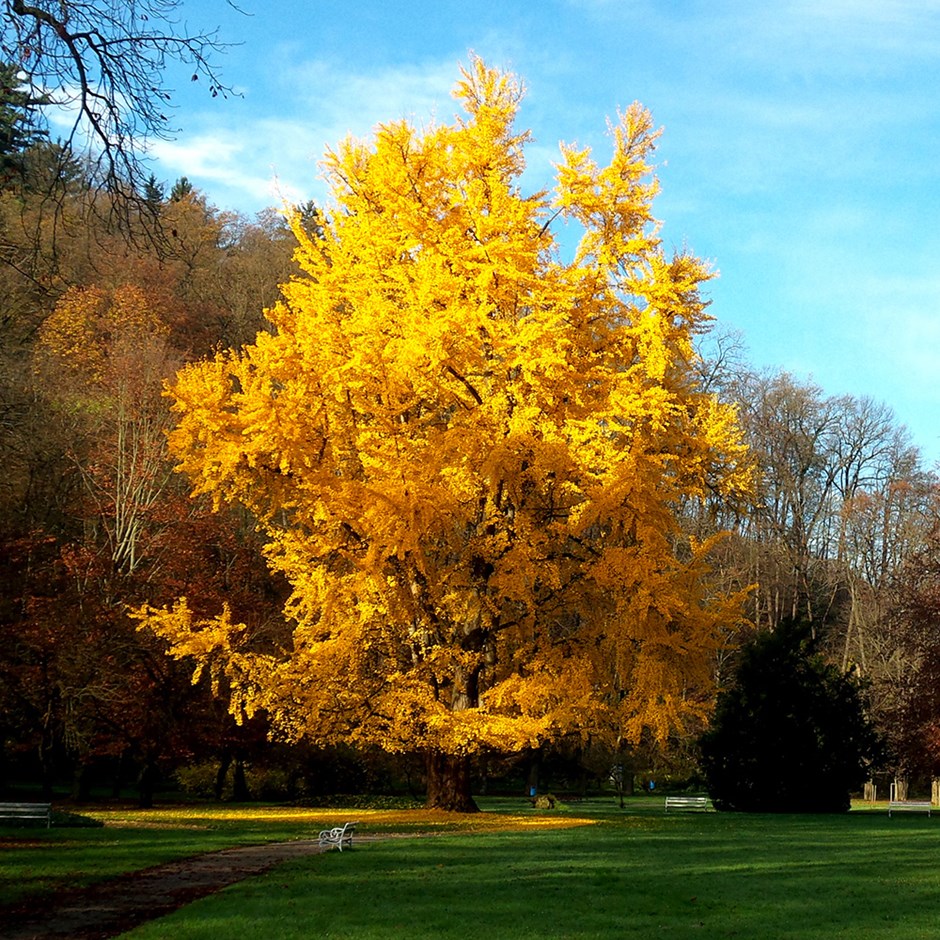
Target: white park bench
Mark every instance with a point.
(27, 811)
(338, 836)
(909, 806)
(687, 803)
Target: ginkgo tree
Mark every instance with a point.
(466, 454)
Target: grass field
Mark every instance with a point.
(36, 860)
(625, 874)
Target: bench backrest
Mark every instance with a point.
(25, 809)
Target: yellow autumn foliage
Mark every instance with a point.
(91, 329)
(467, 453)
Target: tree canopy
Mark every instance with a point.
(467, 454)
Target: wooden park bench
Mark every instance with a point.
(909, 806)
(687, 803)
(27, 811)
(338, 836)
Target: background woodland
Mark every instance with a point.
(106, 296)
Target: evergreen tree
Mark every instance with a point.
(153, 195)
(791, 734)
(181, 189)
(18, 128)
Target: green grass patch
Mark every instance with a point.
(636, 873)
(36, 861)
(509, 873)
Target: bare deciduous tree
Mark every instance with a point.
(104, 64)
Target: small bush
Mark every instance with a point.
(198, 779)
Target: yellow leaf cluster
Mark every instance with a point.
(467, 454)
(91, 328)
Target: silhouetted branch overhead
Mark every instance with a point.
(103, 64)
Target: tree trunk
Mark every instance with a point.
(46, 764)
(532, 777)
(219, 786)
(449, 783)
(240, 791)
(117, 781)
(147, 783)
(81, 784)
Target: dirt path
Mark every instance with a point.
(111, 907)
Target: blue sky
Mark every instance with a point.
(800, 155)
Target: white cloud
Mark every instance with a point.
(341, 102)
(215, 162)
(255, 160)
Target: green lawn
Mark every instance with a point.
(36, 860)
(633, 873)
(644, 875)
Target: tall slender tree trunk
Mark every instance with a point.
(449, 783)
(147, 783)
(218, 788)
(46, 763)
(532, 778)
(240, 791)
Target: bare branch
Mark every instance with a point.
(104, 63)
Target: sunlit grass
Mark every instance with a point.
(637, 874)
(588, 870)
(379, 820)
(37, 861)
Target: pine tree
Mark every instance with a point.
(791, 734)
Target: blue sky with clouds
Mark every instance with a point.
(800, 155)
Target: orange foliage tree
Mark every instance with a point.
(103, 355)
(467, 453)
